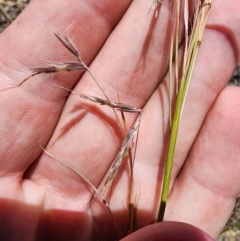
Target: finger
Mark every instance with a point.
(205, 191)
(169, 231)
(29, 113)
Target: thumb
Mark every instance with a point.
(169, 231)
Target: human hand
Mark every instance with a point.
(43, 200)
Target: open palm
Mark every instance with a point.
(43, 200)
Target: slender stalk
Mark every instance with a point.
(185, 80)
(99, 195)
(177, 42)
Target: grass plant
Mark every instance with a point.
(180, 70)
(189, 56)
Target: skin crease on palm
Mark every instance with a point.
(43, 200)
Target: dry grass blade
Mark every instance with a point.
(207, 4)
(96, 191)
(74, 170)
(5, 14)
(176, 37)
(23, 81)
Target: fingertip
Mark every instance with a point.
(169, 231)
